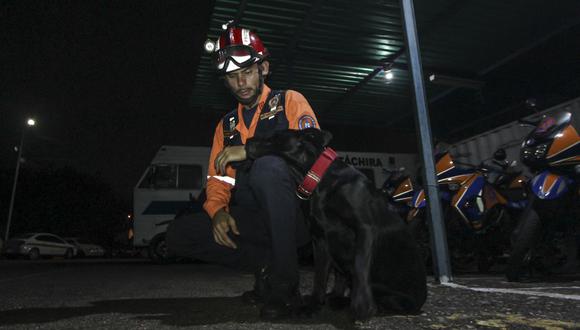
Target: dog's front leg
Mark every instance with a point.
(362, 301)
(322, 263)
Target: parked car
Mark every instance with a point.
(86, 248)
(36, 245)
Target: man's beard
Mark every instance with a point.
(247, 101)
(252, 100)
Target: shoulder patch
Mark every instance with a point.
(306, 121)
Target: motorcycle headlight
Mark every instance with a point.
(530, 141)
(540, 151)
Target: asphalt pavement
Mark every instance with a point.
(136, 294)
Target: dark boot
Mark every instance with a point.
(283, 301)
(261, 288)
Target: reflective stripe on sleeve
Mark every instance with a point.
(226, 179)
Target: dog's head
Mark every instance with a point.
(300, 148)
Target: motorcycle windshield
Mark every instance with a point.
(550, 125)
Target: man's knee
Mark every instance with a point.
(268, 169)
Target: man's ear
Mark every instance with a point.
(265, 65)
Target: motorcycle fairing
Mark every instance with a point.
(549, 186)
(468, 201)
(418, 200)
(565, 149)
(404, 191)
(447, 172)
(518, 182)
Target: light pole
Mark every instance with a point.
(30, 122)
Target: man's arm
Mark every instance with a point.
(218, 192)
(218, 185)
(299, 112)
(222, 223)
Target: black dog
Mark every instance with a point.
(354, 230)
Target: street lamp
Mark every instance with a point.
(30, 122)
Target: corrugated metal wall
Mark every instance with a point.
(510, 136)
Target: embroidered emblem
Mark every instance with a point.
(273, 103)
(306, 121)
(270, 114)
(231, 131)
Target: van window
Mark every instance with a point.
(160, 176)
(189, 177)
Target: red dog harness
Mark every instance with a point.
(313, 176)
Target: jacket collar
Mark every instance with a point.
(241, 127)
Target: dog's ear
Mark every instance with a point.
(326, 137)
(316, 136)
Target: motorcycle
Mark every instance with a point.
(398, 189)
(478, 214)
(552, 152)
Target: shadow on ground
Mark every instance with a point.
(170, 311)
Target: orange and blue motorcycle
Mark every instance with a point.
(398, 188)
(552, 152)
(479, 216)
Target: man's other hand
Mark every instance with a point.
(222, 224)
(228, 155)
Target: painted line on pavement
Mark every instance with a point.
(514, 291)
(550, 287)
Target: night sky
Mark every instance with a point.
(107, 81)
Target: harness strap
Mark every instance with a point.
(315, 174)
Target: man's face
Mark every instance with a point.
(245, 84)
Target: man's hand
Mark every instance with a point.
(223, 223)
(229, 154)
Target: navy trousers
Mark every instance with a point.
(268, 216)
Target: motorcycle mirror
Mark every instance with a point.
(499, 154)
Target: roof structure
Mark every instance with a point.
(485, 62)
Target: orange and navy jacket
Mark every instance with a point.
(296, 113)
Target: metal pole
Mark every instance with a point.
(11, 207)
(437, 226)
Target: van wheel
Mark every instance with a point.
(34, 254)
(158, 249)
(68, 254)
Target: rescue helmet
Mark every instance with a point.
(236, 48)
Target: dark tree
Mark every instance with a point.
(64, 202)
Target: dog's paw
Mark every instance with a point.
(364, 311)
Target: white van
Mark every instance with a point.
(372, 164)
(177, 175)
(171, 183)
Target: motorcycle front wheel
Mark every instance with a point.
(524, 239)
